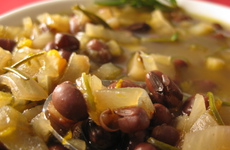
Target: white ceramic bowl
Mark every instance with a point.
(204, 9)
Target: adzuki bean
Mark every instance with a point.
(166, 134)
(69, 101)
(132, 119)
(163, 90)
(137, 137)
(139, 27)
(99, 138)
(66, 41)
(162, 115)
(145, 146)
(98, 51)
(7, 44)
(188, 104)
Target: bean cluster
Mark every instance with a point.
(123, 128)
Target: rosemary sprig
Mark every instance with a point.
(13, 67)
(213, 108)
(17, 72)
(26, 59)
(94, 18)
(152, 4)
(161, 145)
(224, 103)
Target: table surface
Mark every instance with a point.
(10, 5)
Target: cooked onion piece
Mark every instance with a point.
(23, 89)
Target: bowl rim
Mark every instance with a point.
(15, 16)
(203, 9)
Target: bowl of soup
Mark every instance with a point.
(115, 75)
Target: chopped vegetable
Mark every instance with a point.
(213, 138)
(214, 63)
(17, 72)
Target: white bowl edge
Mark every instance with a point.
(199, 8)
(32, 10)
(207, 10)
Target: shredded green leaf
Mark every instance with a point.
(161, 145)
(213, 108)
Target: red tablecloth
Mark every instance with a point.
(9, 5)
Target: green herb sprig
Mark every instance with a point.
(152, 4)
(213, 108)
(161, 145)
(94, 18)
(13, 68)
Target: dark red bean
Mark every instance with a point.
(132, 119)
(7, 44)
(166, 134)
(173, 95)
(139, 27)
(155, 86)
(145, 146)
(49, 46)
(59, 123)
(65, 54)
(163, 90)
(180, 64)
(98, 138)
(137, 137)
(219, 36)
(2, 146)
(204, 86)
(187, 105)
(69, 101)
(217, 26)
(96, 45)
(162, 115)
(66, 41)
(98, 51)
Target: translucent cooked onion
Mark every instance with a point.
(76, 66)
(23, 89)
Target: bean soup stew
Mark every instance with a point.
(121, 75)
